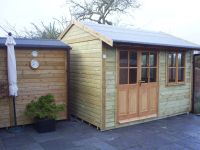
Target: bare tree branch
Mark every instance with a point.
(100, 10)
(47, 31)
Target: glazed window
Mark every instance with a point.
(134, 66)
(127, 67)
(149, 66)
(176, 67)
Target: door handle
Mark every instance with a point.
(140, 82)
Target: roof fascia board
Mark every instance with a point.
(65, 31)
(155, 46)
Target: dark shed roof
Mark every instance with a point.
(36, 43)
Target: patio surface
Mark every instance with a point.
(175, 133)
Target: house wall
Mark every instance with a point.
(85, 75)
(51, 77)
(173, 100)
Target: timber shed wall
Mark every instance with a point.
(93, 81)
(50, 77)
(173, 100)
(110, 86)
(85, 75)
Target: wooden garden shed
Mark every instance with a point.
(121, 76)
(51, 57)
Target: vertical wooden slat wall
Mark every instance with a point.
(85, 75)
(51, 77)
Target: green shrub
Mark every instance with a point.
(44, 108)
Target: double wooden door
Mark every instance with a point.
(137, 85)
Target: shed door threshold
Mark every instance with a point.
(137, 118)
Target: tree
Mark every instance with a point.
(46, 31)
(49, 31)
(100, 10)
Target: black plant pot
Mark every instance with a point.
(45, 125)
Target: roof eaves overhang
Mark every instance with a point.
(39, 46)
(156, 45)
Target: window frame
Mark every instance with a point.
(138, 67)
(176, 67)
(128, 67)
(149, 67)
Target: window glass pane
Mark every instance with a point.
(153, 74)
(123, 76)
(133, 76)
(144, 59)
(172, 74)
(133, 59)
(144, 75)
(180, 74)
(172, 59)
(181, 60)
(153, 59)
(123, 59)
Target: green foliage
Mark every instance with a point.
(44, 108)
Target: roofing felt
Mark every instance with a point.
(138, 36)
(36, 43)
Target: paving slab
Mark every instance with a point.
(57, 144)
(2, 147)
(96, 143)
(17, 141)
(32, 146)
(175, 133)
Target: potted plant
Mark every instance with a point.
(44, 112)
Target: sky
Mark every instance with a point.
(180, 18)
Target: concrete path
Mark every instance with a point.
(175, 133)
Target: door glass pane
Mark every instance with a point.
(133, 59)
(153, 74)
(133, 76)
(144, 75)
(172, 59)
(123, 76)
(180, 74)
(123, 59)
(172, 74)
(181, 59)
(153, 59)
(144, 59)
